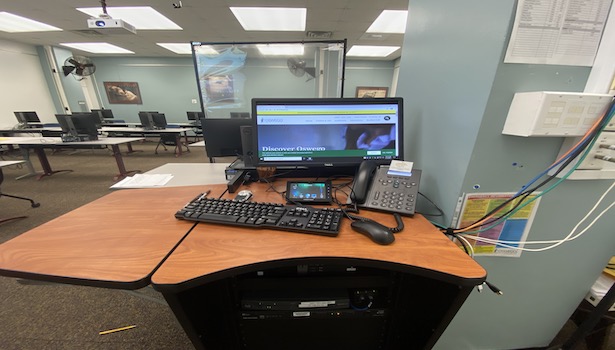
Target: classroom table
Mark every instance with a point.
(143, 131)
(38, 145)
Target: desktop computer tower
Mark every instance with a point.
(247, 146)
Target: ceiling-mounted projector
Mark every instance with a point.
(111, 26)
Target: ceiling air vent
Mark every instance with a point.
(318, 35)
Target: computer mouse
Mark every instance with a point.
(377, 232)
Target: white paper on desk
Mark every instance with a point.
(144, 181)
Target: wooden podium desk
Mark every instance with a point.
(116, 241)
(417, 284)
(352, 292)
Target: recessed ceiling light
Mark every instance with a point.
(371, 51)
(271, 18)
(180, 48)
(281, 49)
(141, 17)
(97, 47)
(390, 21)
(16, 24)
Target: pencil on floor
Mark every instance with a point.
(116, 330)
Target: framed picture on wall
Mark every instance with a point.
(372, 91)
(123, 92)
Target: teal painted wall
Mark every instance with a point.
(367, 73)
(452, 67)
(169, 85)
(70, 84)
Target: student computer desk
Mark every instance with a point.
(38, 144)
(409, 291)
(176, 131)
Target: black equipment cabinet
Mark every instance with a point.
(318, 305)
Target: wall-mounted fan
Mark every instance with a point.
(79, 66)
(298, 68)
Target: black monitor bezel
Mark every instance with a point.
(349, 162)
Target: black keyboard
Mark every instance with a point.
(304, 219)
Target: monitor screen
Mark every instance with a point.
(27, 117)
(195, 115)
(223, 136)
(328, 132)
(103, 113)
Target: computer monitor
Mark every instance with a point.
(27, 117)
(94, 116)
(66, 123)
(146, 119)
(241, 115)
(195, 115)
(337, 133)
(160, 121)
(78, 126)
(103, 114)
(223, 136)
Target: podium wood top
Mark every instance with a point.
(214, 251)
(116, 241)
(119, 240)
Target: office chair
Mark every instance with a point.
(198, 132)
(32, 202)
(167, 140)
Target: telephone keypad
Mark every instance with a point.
(393, 193)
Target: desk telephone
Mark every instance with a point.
(373, 188)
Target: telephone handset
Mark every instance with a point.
(374, 188)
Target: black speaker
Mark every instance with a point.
(246, 145)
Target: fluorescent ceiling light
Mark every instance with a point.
(141, 17)
(97, 47)
(271, 18)
(180, 48)
(16, 24)
(389, 21)
(281, 49)
(371, 51)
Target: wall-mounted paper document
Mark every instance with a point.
(564, 32)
